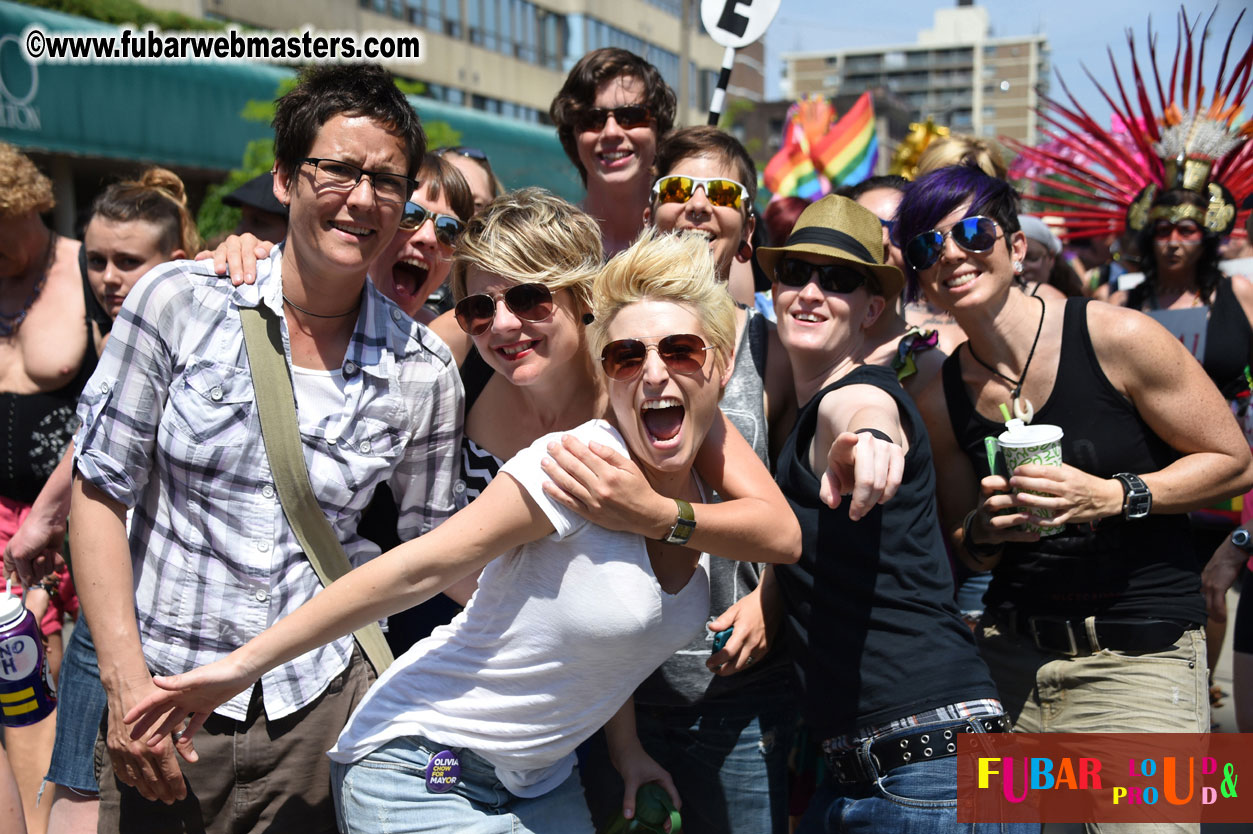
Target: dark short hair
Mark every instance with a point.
(891, 182)
(578, 94)
(933, 196)
(352, 89)
(442, 177)
(706, 140)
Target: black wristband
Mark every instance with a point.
(882, 435)
(978, 551)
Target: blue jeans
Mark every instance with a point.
(80, 706)
(728, 759)
(385, 793)
(919, 798)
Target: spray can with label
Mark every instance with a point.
(27, 695)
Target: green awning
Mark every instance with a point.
(189, 114)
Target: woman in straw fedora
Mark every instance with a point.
(873, 568)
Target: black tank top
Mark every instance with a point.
(1142, 568)
(869, 605)
(35, 429)
(1228, 337)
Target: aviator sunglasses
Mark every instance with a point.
(684, 353)
(678, 188)
(974, 234)
(627, 117)
(447, 227)
(793, 272)
(529, 302)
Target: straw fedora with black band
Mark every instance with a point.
(838, 228)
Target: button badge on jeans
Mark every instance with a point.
(443, 772)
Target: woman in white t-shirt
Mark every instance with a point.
(480, 721)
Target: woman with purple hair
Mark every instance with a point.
(1105, 606)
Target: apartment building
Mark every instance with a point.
(509, 57)
(957, 72)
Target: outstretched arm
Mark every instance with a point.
(503, 517)
(859, 446)
(753, 523)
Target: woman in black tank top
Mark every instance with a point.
(1118, 582)
(1185, 291)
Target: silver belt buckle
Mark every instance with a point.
(1070, 635)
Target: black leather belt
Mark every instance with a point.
(1069, 637)
(847, 766)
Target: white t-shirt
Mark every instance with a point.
(560, 632)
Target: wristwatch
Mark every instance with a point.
(1136, 498)
(1241, 538)
(684, 524)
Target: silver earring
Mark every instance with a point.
(1018, 267)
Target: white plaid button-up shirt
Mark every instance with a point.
(170, 428)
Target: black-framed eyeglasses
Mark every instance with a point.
(337, 175)
(679, 188)
(793, 272)
(627, 117)
(975, 234)
(530, 302)
(683, 353)
(447, 227)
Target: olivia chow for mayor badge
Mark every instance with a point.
(1103, 777)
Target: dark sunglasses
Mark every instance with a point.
(793, 272)
(632, 115)
(974, 234)
(529, 302)
(684, 353)
(678, 188)
(1186, 229)
(447, 227)
(463, 150)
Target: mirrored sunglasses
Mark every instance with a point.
(684, 353)
(793, 272)
(447, 227)
(529, 302)
(627, 117)
(677, 188)
(974, 234)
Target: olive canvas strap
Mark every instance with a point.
(276, 405)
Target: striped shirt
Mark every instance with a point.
(169, 427)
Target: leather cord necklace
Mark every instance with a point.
(1024, 414)
(322, 315)
(10, 322)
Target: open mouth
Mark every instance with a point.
(408, 276)
(663, 418)
(959, 280)
(808, 318)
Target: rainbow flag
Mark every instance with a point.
(847, 153)
(791, 172)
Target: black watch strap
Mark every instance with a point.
(1137, 500)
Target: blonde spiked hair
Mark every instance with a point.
(531, 236)
(664, 267)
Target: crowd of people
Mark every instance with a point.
(637, 499)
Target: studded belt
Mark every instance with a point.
(849, 767)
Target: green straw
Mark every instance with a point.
(1005, 412)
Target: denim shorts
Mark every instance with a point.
(385, 792)
(80, 706)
